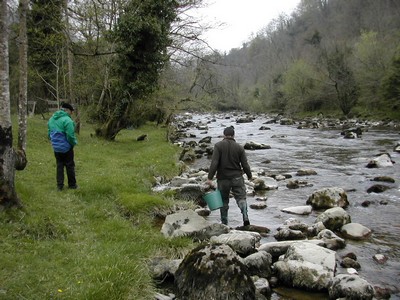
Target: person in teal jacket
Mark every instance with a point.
(61, 132)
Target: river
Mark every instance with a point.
(339, 162)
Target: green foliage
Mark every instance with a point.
(342, 78)
(45, 47)
(142, 38)
(302, 87)
(372, 57)
(391, 84)
(90, 243)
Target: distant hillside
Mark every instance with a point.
(336, 55)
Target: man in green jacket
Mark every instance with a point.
(229, 161)
(61, 132)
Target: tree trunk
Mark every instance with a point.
(115, 124)
(110, 129)
(23, 86)
(70, 63)
(8, 195)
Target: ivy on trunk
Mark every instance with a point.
(142, 38)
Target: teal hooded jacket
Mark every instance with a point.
(61, 131)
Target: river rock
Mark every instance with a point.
(255, 146)
(213, 272)
(187, 155)
(277, 249)
(203, 212)
(279, 177)
(347, 262)
(306, 172)
(397, 147)
(355, 231)
(191, 192)
(287, 234)
(331, 240)
(259, 184)
(298, 210)
(294, 223)
(162, 268)
(286, 121)
(295, 184)
(202, 127)
(334, 218)
(262, 230)
(244, 120)
(263, 287)
(380, 258)
(206, 140)
(315, 228)
(189, 223)
(291, 228)
(381, 161)
(351, 271)
(259, 264)
(377, 188)
(242, 242)
(328, 198)
(267, 183)
(384, 179)
(258, 206)
(350, 287)
(351, 255)
(307, 266)
(352, 133)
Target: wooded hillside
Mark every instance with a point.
(336, 55)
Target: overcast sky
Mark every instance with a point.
(242, 18)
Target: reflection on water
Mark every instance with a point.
(338, 162)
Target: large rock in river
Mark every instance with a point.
(189, 223)
(334, 218)
(328, 198)
(355, 231)
(213, 272)
(307, 266)
(350, 287)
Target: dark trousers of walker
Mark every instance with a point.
(65, 160)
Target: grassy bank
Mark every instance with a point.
(90, 243)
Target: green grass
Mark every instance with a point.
(90, 243)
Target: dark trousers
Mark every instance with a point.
(65, 160)
(238, 189)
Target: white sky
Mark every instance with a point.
(242, 18)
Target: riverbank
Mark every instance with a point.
(90, 243)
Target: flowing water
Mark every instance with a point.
(338, 162)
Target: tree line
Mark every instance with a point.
(328, 55)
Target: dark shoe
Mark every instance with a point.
(246, 223)
(73, 187)
(60, 188)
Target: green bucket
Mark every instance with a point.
(213, 199)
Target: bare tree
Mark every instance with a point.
(8, 195)
(23, 77)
